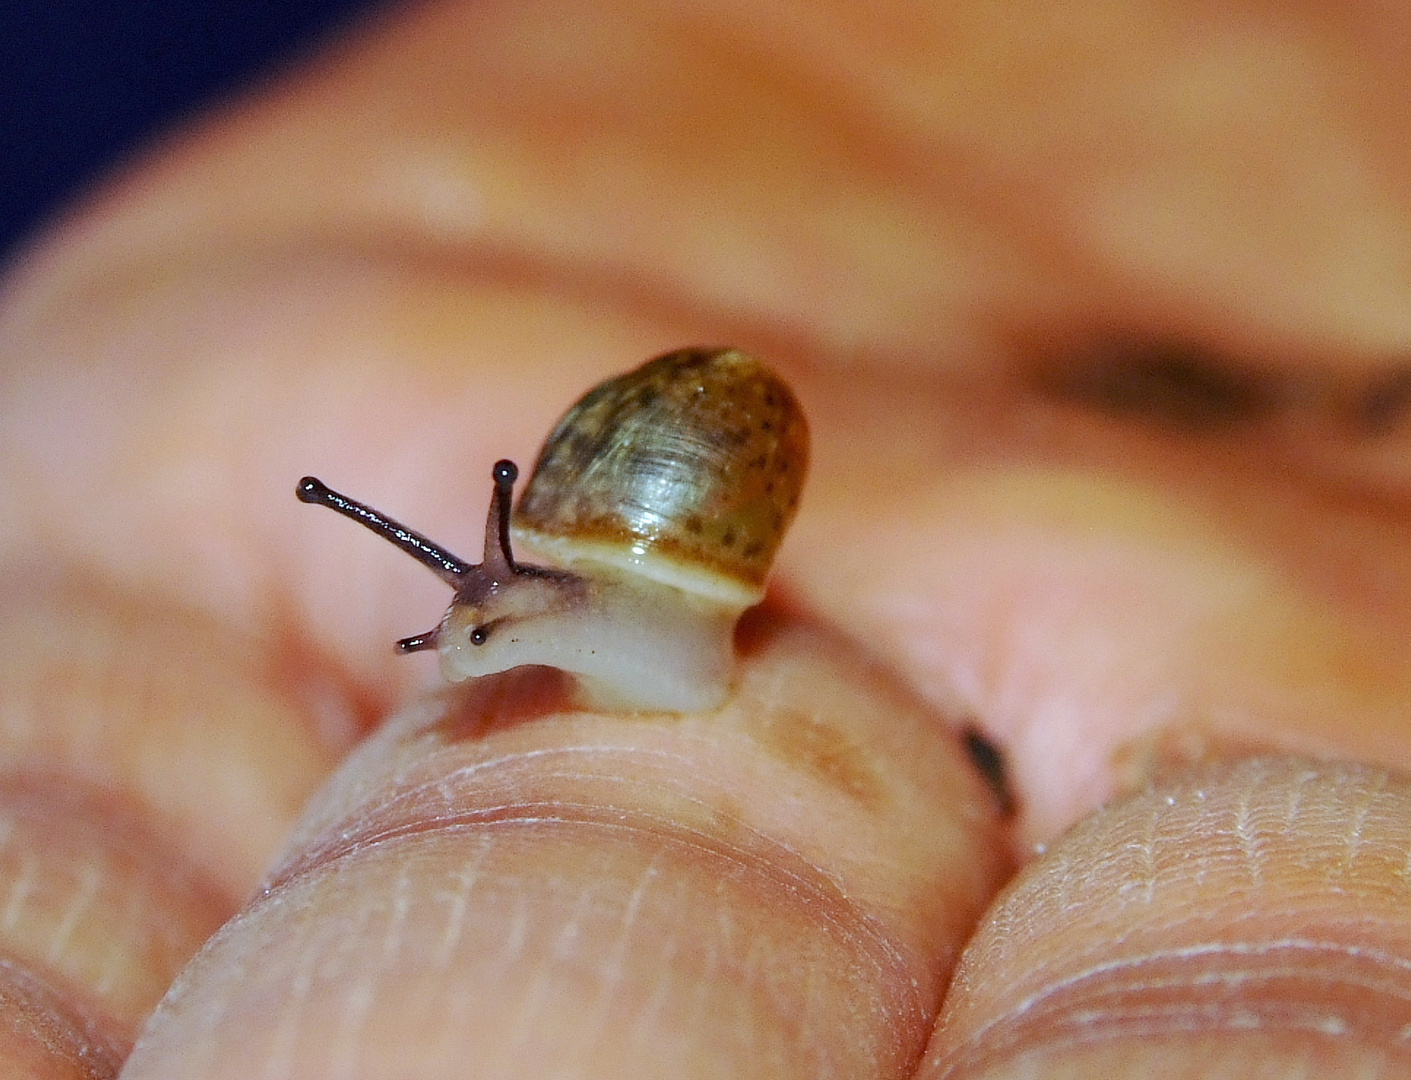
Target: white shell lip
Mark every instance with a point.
(714, 588)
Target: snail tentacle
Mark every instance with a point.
(419, 642)
(448, 567)
(499, 558)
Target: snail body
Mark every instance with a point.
(658, 502)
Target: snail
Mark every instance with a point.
(657, 502)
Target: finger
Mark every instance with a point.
(1104, 595)
(149, 771)
(1245, 920)
(512, 889)
(918, 184)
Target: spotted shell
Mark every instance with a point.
(687, 470)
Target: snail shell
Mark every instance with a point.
(659, 499)
(687, 470)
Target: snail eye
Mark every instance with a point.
(480, 635)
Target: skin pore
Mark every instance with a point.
(1099, 313)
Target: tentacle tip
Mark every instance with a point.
(505, 473)
(417, 643)
(311, 490)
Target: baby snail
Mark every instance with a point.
(659, 501)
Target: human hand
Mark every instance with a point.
(1096, 313)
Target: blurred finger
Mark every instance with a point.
(149, 770)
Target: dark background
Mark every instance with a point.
(84, 82)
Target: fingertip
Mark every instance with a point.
(310, 490)
(1248, 918)
(777, 889)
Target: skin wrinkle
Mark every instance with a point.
(667, 766)
(363, 986)
(328, 947)
(392, 935)
(95, 898)
(1196, 1014)
(577, 813)
(169, 713)
(69, 1027)
(1271, 903)
(363, 993)
(1253, 949)
(19, 890)
(764, 970)
(112, 967)
(359, 1001)
(782, 865)
(651, 1012)
(534, 1002)
(280, 1056)
(1293, 804)
(78, 906)
(458, 908)
(517, 810)
(613, 965)
(1249, 842)
(659, 997)
(1360, 810)
(445, 784)
(448, 783)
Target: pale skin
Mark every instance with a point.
(402, 262)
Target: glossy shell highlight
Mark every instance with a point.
(688, 470)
